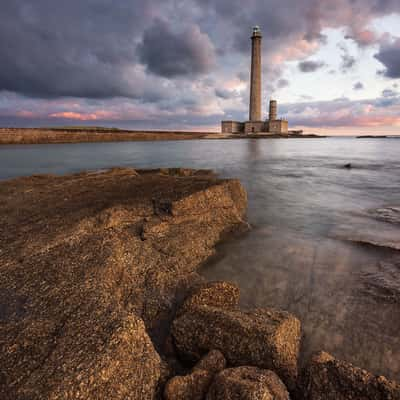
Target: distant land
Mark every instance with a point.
(373, 137)
(85, 134)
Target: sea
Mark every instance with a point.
(324, 242)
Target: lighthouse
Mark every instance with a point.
(255, 76)
(255, 124)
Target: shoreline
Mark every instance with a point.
(16, 136)
(99, 282)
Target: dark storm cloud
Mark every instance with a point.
(168, 53)
(72, 48)
(389, 56)
(310, 66)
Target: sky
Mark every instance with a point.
(333, 66)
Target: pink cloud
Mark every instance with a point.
(25, 114)
(97, 115)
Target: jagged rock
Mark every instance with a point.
(189, 387)
(247, 383)
(329, 379)
(213, 362)
(264, 338)
(195, 385)
(215, 294)
(79, 254)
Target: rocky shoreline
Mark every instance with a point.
(100, 299)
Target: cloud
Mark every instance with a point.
(358, 86)
(344, 113)
(282, 83)
(364, 37)
(168, 53)
(223, 93)
(389, 93)
(348, 61)
(389, 56)
(310, 66)
(90, 54)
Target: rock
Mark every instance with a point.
(79, 255)
(189, 387)
(264, 338)
(213, 362)
(215, 294)
(326, 378)
(247, 383)
(195, 385)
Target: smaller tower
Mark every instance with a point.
(273, 110)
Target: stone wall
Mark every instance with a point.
(232, 127)
(278, 126)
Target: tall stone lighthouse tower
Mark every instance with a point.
(255, 77)
(256, 124)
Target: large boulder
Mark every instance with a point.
(215, 294)
(326, 378)
(195, 385)
(264, 338)
(247, 383)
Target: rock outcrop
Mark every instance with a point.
(264, 338)
(329, 379)
(92, 267)
(247, 383)
(195, 385)
(215, 294)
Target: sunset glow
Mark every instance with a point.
(153, 66)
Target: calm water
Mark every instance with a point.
(325, 242)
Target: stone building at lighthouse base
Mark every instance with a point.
(272, 125)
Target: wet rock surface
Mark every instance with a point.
(92, 266)
(247, 383)
(329, 379)
(264, 338)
